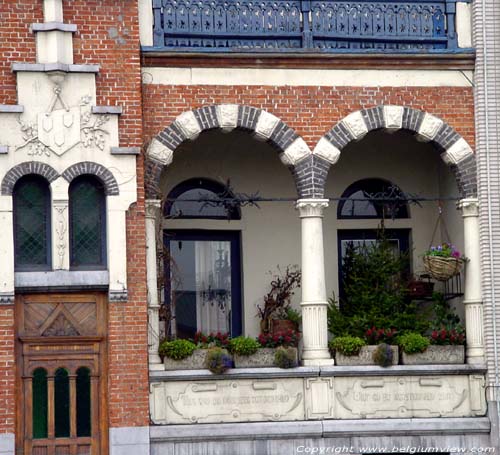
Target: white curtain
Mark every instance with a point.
(213, 286)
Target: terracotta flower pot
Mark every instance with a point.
(282, 325)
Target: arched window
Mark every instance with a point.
(61, 403)
(31, 205)
(83, 402)
(355, 206)
(184, 201)
(87, 219)
(39, 403)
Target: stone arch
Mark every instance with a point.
(29, 167)
(263, 125)
(455, 151)
(99, 171)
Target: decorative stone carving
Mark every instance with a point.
(297, 150)
(311, 207)
(265, 126)
(227, 401)
(195, 361)
(61, 229)
(320, 398)
(189, 125)
(326, 150)
(469, 207)
(227, 115)
(429, 127)
(159, 152)
(393, 116)
(404, 397)
(355, 123)
(459, 151)
(437, 355)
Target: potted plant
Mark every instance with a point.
(443, 262)
(217, 360)
(350, 350)
(247, 353)
(271, 342)
(277, 301)
(286, 357)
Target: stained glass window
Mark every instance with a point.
(32, 223)
(39, 387)
(87, 223)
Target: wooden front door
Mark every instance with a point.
(62, 374)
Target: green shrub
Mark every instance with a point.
(383, 355)
(285, 357)
(347, 345)
(294, 316)
(412, 343)
(218, 360)
(243, 345)
(176, 349)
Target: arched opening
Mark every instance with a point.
(40, 403)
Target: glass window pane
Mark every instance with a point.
(87, 222)
(196, 209)
(61, 404)
(39, 403)
(31, 222)
(83, 422)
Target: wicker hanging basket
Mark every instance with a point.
(443, 268)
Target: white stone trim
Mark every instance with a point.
(6, 245)
(265, 125)
(393, 117)
(307, 77)
(146, 22)
(52, 10)
(189, 125)
(326, 150)
(429, 127)
(54, 47)
(463, 20)
(116, 239)
(459, 151)
(160, 152)
(129, 440)
(227, 115)
(297, 150)
(355, 123)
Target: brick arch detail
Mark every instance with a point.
(263, 125)
(29, 167)
(455, 151)
(97, 170)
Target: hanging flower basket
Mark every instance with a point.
(443, 262)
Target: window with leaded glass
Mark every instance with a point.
(32, 223)
(87, 212)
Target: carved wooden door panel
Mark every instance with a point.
(62, 374)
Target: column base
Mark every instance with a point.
(474, 356)
(317, 362)
(155, 363)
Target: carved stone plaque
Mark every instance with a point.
(227, 401)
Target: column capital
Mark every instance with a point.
(311, 208)
(152, 208)
(469, 207)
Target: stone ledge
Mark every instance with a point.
(11, 109)
(125, 150)
(402, 370)
(50, 67)
(118, 110)
(319, 428)
(54, 26)
(61, 280)
(234, 373)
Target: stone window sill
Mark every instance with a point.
(62, 280)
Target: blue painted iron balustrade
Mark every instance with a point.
(304, 25)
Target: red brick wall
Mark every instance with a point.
(311, 111)
(7, 370)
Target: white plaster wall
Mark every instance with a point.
(271, 235)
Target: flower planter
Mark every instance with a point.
(436, 355)
(196, 361)
(418, 289)
(443, 268)
(365, 357)
(282, 325)
(264, 357)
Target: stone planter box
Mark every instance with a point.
(364, 357)
(264, 357)
(195, 361)
(436, 355)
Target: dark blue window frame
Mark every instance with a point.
(234, 237)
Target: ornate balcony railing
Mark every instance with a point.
(304, 25)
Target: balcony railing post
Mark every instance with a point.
(451, 9)
(158, 32)
(307, 37)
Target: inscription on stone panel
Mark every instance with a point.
(402, 397)
(228, 401)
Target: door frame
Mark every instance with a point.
(232, 236)
(22, 342)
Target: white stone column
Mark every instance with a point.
(152, 211)
(60, 224)
(314, 302)
(472, 293)
(6, 251)
(116, 223)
